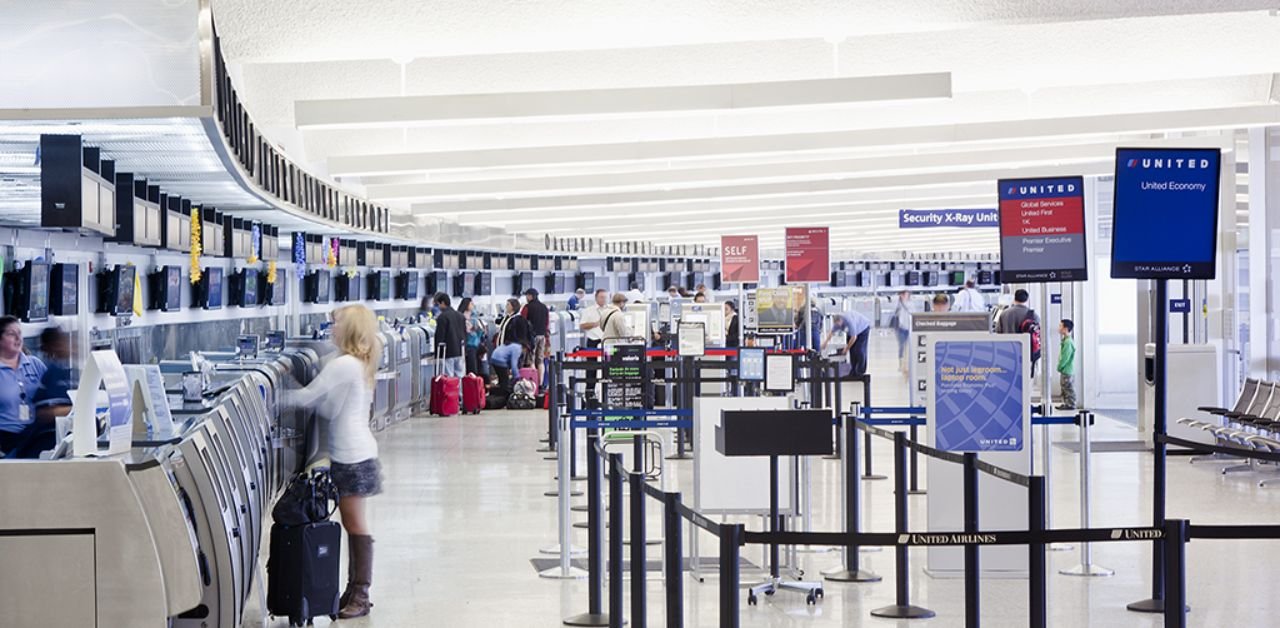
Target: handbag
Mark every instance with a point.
(306, 499)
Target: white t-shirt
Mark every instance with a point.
(592, 315)
(970, 300)
(342, 396)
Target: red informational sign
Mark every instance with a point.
(740, 259)
(808, 254)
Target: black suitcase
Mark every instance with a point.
(302, 571)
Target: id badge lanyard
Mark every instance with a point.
(24, 410)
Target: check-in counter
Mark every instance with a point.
(168, 534)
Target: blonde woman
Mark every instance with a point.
(343, 395)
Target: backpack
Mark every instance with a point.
(523, 395)
(1031, 327)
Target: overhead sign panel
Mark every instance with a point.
(808, 254)
(1042, 230)
(1166, 213)
(963, 218)
(740, 259)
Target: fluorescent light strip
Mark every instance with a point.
(760, 189)
(418, 110)
(942, 134)
(831, 169)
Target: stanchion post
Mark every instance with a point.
(915, 462)
(730, 548)
(672, 559)
(867, 474)
(1155, 604)
(639, 563)
(852, 571)
(1086, 568)
(573, 434)
(595, 616)
(565, 570)
(615, 540)
(553, 408)
(972, 584)
(1038, 590)
(1176, 535)
(903, 608)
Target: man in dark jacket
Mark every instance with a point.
(451, 333)
(539, 323)
(1014, 320)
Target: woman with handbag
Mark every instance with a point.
(343, 393)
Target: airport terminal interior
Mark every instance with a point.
(670, 313)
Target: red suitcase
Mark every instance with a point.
(446, 392)
(473, 394)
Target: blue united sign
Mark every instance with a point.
(927, 218)
(978, 395)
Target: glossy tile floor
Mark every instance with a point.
(464, 512)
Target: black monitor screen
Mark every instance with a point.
(559, 283)
(275, 341)
(409, 285)
(170, 289)
(955, 278)
(484, 284)
(64, 300)
(587, 281)
(35, 276)
(318, 287)
(124, 290)
(212, 288)
(384, 285)
(249, 288)
(985, 277)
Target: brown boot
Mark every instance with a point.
(351, 574)
(355, 602)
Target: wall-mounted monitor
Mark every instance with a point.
(379, 288)
(912, 278)
(586, 281)
(437, 281)
(209, 289)
(346, 288)
(930, 278)
(115, 291)
(464, 284)
(558, 284)
(985, 278)
(166, 289)
(955, 278)
(839, 279)
(318, 287)
(521, 282)
(64, 290)
(484, 284)
(244, 288)
(272, 293)
(407, 285)
(27, 292)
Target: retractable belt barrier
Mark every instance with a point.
(1173, 537)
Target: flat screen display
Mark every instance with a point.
(275, 341)
(167, 289)
(211, 289)
(955, 278)
(319, 287)
(65, 294)
(247, 346)
(751, 364)
(1166, 213)
(558, 283)
(249, 288)
(35, 278)
(985, 278)
(587, 281)
(384, 285)
(484, 284)
(913, 277)
(930, 277)
(1042, 229)
(124, 290)
(409, 285)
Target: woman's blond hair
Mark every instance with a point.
(355, 333)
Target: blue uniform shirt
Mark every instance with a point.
(17, 388)
(852, 323)
(54, 386)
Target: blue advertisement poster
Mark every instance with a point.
(978, 400)
(1166, 213)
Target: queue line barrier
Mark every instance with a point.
(1172, 537)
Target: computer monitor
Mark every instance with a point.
(751, 364)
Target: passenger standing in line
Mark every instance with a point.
(343, 394)
(902, 326)
(634, 295)
(614, 321)
(513, 338)
(20, 376)
(969, 299)
(941, 303)
(700, 298)
(474, 335)
(576, 299)
(1020, 319)
(590, 324)
(451, 332)
(540, 326)
(731, 330)
(703, 290)
(857, 329)
(1067, 365)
